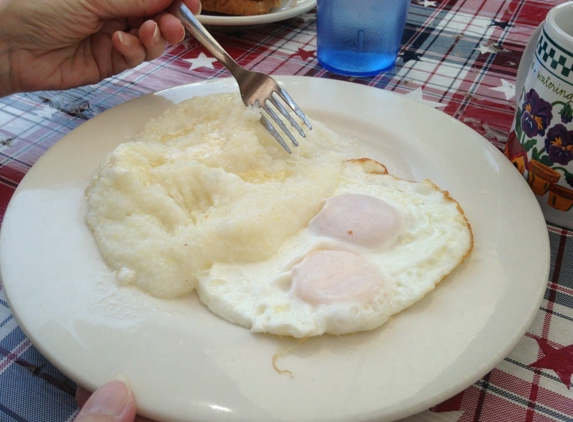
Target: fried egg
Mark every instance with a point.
(378, 245)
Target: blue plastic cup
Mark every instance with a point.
(360, 37)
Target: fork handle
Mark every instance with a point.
(197, 29)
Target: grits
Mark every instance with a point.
(205, 183)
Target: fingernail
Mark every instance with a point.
(109, 400)
(156, 34)
(123, 39)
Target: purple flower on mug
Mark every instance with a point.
(536, 114)
(559, 144)
(566, 113)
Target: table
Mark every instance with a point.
(459, 56)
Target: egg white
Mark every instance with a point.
(432, 238)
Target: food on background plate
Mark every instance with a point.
(319, 241)
(240, 7)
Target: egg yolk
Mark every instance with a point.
(362, 220)
(331, 276)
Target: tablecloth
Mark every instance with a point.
(458, 56)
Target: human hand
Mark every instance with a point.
(114, 402)
(60, 44)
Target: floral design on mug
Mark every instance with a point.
(550, 147)
(559, 144)
(536, 114)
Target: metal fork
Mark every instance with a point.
(257, 89)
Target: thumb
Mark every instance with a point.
(114, 402)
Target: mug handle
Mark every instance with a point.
(525, 61)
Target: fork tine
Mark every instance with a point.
(271, 129)
(287, 99)
(287, 115)
(279, 122)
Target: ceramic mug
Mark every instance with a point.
(540, 144)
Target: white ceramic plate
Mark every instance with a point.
(187, 364)
(288, 9)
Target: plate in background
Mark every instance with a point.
(288, 9)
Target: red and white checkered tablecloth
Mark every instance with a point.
(459, 56)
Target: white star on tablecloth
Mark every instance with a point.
(308, 17)
(418, 95)
(46, 112)
(201, 61)
(427, 3)
(492, 48)
(506, 88)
